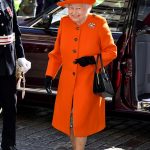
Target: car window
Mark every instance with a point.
(143, 20)
(28, 10)
(113, 10)
(58, 15)
(32, 8)
(55, 15)
(144, 10)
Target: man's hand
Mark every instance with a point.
(25, 64)
(85, 61)
(48, 84)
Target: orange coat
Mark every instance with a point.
(76, 82)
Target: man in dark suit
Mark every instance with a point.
(10, 50)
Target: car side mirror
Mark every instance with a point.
(47, 20)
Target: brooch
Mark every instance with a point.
(91, 25)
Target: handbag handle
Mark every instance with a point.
(103, 71)
(101, 62)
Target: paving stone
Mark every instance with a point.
(34, 132)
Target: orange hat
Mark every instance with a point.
(65, 2)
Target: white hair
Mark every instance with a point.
(88, 7)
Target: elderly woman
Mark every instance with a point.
(78, 111)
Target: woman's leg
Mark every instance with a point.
(72, 138)
(80, 143)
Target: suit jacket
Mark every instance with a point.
(8, 25)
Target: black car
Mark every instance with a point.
(129, 21)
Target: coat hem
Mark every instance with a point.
(67, 133)
(89, 133)
(79, 135)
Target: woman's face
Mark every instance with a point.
(78, 12)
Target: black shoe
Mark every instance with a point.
(9, 148)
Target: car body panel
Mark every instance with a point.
(126, 21)
(39, 40)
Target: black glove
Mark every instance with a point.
(48, 84)
(85, 61)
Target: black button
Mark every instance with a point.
(75, 39)
(77, 28)
(74, 73)
(74, 50)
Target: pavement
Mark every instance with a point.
(34, 132)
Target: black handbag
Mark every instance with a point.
(102, 85)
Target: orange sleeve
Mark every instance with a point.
(107, 45)
(55, 60)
